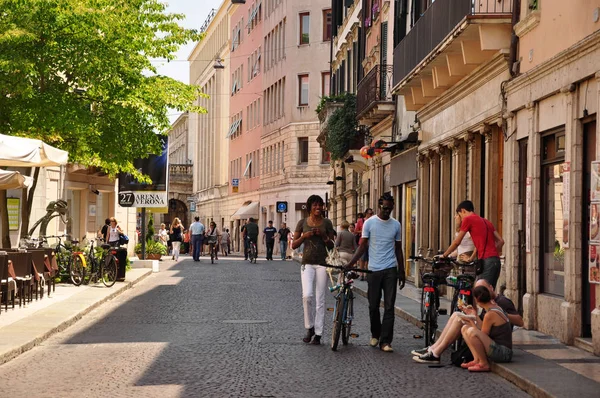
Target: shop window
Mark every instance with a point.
(325, 84)
(552, 203)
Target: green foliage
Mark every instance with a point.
(340, 98)
(78, 74)
(150, 230)
(152, 248)
(342, 128)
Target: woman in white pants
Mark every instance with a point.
(177, 234)
(316, 232)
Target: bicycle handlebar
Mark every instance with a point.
(342, 268)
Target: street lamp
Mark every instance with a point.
(218, 64)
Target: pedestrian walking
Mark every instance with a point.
(225, 240)
(212, 237)
(113, 232)
(487, 240)
(163, 235)
(269, 240)
(382, 239)
(177, 234)
(283, 234)
(346, 243)
(103, 232)
(316, 233)
(197, 231)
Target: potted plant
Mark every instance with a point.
(154, 250)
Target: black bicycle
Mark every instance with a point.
(105, 269)
(252, 251)
(212, 247)
(343, 313)
(430, 297)
(463, 284)
(70, 263)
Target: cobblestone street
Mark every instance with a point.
(226, 330)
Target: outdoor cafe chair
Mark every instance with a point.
(41, 275)
(7, 283)
(23, 274)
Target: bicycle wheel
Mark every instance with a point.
(430, 324)
(63, 260)
(109, 271)
(422, 304)
(77, 270)
(337, 323)
(454, 302)
(347, 326)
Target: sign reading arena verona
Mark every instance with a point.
(135, 194)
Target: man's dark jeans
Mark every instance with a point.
(197, 244)
(270, 244)
(386, 281)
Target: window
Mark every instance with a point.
(325, 156)
(325, 84)
(303, 150)
(303, 90)
(304, 28)
(326, 25)
(553, 252)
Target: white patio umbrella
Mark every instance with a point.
(10, 179)
(28, 152)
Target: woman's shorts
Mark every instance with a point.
(499, 353)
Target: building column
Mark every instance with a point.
(423, 210)
(596, 311)
(492, 173)
(446, 211)
(434, 203)
(459, 169)
(475, 148)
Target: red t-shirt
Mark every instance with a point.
(476, 226)
(359, 226)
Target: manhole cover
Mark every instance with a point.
(245, 321)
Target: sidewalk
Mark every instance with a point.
(22, 329)
(542, 366)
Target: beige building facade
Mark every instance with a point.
(552, 142)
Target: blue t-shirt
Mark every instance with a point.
(382, 235)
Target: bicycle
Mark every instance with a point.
(252, 251)
(105, 269)
(462, 284)
(430, 297)
(212, 247)
(70, 263)
(343, 313)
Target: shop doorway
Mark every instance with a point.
(522, 266)
(588, 297)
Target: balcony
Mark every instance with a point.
(450, 40)
(374, 100)
(181, 174)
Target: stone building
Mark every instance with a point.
(552, 141)
(180, 181)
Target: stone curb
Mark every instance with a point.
(526, 385)
(15, 352)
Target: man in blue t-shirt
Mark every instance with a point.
(382, 237)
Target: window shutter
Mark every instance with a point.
(384, 43)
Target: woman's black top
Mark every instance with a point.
(177, 234)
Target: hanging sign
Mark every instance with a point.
(12, 207)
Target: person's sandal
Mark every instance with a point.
(479, 368)
(316, 340)
(309, 334)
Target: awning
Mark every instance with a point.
(13, 180)
(246, 211)
(27, 152)
(356, 162)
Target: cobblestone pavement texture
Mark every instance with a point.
(226, 330)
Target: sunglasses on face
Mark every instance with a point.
(385, 208)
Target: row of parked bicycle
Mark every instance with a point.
(27, 271)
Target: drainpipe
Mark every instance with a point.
(514, 40)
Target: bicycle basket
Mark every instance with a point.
(211, 239)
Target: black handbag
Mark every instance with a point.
(462, 355)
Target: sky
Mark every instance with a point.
(195, 12)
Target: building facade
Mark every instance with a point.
(208, 145)
(181, 168)
(552, 143)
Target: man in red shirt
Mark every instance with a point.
(485, 237)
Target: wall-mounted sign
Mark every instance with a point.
(92, 210)
(235, 182)
(192, 206)
(301, 206)
(234, 189)
(12, 206)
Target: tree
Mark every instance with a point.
(78, 75)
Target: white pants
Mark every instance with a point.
(176, 246)
(314, 310)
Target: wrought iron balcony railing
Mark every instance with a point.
(374, 88)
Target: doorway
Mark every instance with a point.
(588, 297)
(522, 266)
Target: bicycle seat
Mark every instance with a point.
(466, 278)
(75, 241)
(433, 278)
(105, 246)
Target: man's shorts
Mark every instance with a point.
(499, 353)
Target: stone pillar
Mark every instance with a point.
(475, 166)
(571, 307)
(446, 211)
(492, 169)
(434, 203)
(459, 172)
(423, 210)
(533, 257)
